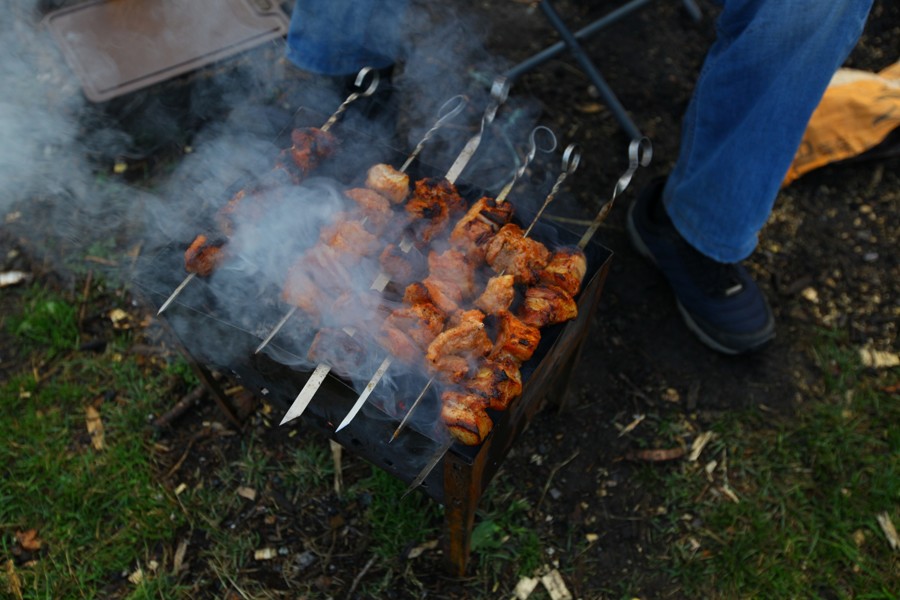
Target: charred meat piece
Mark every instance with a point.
(416, 292)
(546, 305)
(401, 267)
(473, 231)
(515, 338)
(203, 256)
(421, 321)
(389, 182)
(432, 202)
(465, 416)
(445, 294)
(350, 237)
(509, 252)
(374, 207)
(399, 345)
(453, 267)
(309, 147)
(498, 380)
(498, 294)
(456, 349)
(300, 290)
(565, 270)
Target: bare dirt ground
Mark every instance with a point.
(828, 261)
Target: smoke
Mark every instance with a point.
(206, 136)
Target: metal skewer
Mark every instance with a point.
(499, 91)
(364, 73)
(639, 154)
(448, 110)
(386, 363)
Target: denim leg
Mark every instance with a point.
(759, 84)
(339, 37)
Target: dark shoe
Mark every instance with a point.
(719, 301)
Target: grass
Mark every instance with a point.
(775, 507)
(98, 510)
(789, 508)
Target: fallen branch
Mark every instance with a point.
(181, 407)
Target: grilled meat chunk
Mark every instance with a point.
(515, 338)
(546, 305)
(498, 294)
(432, 202)
(457, 348)
(309, 147)
(422, 322)
(465, 416)
(453, 267)
(473, 231)
(565, 270)
(401, 267)
(509, 252)
(203, 256)
(498, 380)
(350, 237)
(389, 182)
(375, 208)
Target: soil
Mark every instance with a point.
(827, 261)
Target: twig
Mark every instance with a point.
(359, 577)
(181, 407)
(84, 296)
(202, 433)
(552, 475)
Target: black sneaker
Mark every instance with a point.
(720, 302)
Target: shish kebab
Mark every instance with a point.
(309, 146)
(385, 181)
(640, 153)
(474, 213)
(499, 92)
(526, 260)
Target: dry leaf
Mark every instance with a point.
(421, 548)
(178, 561)
(525, 586)
(338, 470)
(590, 108)
(878, 359)
(13, 583)
(729, 493)
(265, 554)
(699, 444)
(9, 278)
(887, 526)
(120, 319)
(630, 427)
(247, 492)
(29, 540)
(94, 427)
(555, 586)
(658, 454)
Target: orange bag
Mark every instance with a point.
(858, 111)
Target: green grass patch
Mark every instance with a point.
(49, 323)
(396, 524)
(505, 535)
(98, 512)
(790, 507)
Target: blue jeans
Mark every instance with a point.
(759, 84)
(339, 37)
